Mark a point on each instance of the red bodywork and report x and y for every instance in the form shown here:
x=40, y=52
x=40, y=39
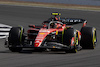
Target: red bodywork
x=44, y=31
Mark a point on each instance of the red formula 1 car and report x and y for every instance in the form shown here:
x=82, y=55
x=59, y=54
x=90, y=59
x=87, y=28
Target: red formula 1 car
x=53, y=35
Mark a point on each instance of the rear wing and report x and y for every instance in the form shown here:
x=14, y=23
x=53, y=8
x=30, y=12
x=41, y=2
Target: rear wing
x=72, y=21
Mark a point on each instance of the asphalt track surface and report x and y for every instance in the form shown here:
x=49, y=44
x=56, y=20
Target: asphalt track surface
x=19, y=15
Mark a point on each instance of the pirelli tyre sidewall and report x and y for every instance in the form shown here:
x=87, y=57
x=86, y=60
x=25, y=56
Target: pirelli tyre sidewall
x=67, y=36
x=88, y=37
x=15, y=38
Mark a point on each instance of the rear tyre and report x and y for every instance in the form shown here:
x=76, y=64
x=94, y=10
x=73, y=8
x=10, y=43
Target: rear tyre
x=15, y=39
x=70, y=39
x=88, y=38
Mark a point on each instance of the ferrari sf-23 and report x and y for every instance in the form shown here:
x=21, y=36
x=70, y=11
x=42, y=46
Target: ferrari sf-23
x=53, y=35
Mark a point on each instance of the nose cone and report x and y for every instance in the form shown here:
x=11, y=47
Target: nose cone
x=40, y=37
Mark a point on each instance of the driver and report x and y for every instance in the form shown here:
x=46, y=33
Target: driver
x=52, y=25
x=56, y=24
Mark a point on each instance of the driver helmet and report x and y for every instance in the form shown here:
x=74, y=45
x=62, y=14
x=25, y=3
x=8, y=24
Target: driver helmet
x=52, y=25
x=55, y=14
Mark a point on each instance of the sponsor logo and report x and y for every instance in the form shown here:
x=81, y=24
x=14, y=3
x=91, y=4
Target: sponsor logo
x=42, y=33
x=44, y=30
x=37, y=41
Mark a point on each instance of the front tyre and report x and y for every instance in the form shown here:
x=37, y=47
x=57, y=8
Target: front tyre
x=15, y=39
x=69, y=38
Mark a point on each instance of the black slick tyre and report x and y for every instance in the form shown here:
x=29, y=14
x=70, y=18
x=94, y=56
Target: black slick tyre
x=15, y=39
x=88, y=37
x=68, y=34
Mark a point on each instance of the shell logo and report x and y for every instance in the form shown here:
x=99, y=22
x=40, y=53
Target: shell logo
x=42, y=33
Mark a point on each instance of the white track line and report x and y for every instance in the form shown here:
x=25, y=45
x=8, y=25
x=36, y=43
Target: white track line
x=4, y=30
x=54, y=7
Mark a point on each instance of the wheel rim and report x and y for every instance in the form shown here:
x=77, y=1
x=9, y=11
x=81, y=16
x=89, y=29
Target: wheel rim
x=94, y=38
x=76, y=42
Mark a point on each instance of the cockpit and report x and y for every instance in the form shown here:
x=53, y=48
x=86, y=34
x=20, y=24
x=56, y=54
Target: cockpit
x=55, y=24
